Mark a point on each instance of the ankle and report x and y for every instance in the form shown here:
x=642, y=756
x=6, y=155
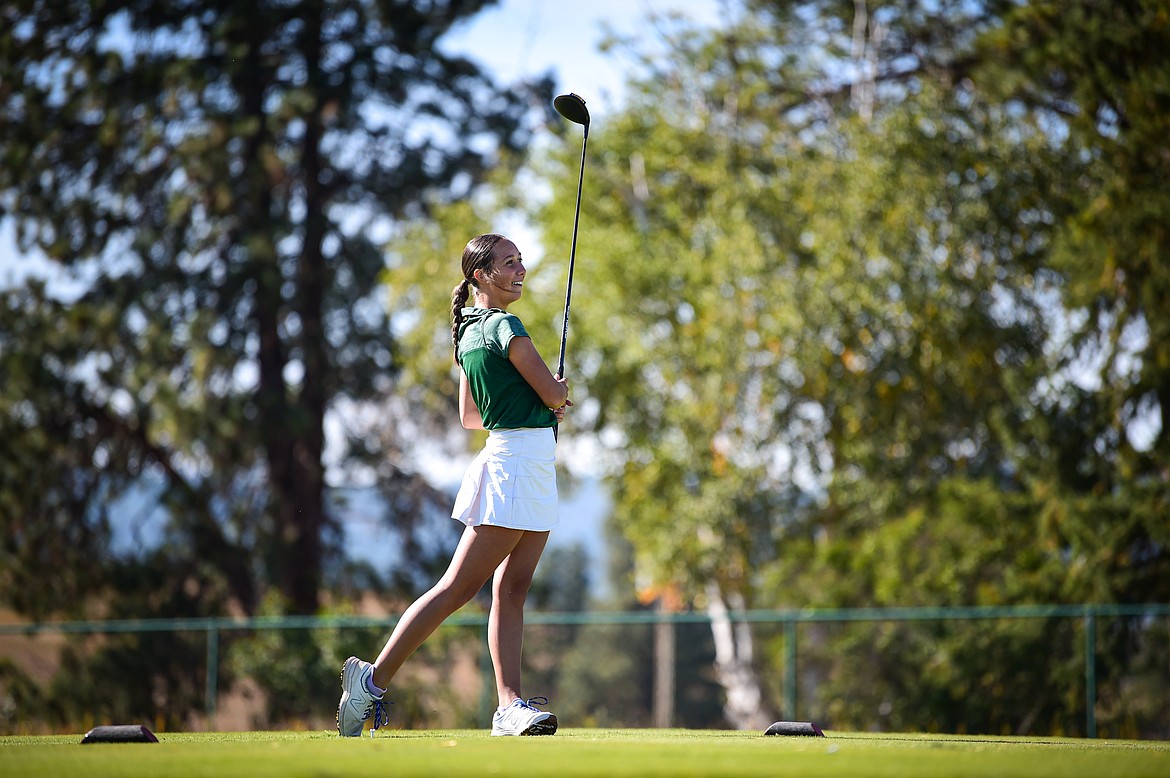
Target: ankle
x=373, y=688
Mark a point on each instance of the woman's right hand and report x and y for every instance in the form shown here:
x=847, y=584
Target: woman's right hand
x=559, y=412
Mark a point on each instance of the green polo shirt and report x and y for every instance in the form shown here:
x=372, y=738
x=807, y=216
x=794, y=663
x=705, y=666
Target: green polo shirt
x=504, y=398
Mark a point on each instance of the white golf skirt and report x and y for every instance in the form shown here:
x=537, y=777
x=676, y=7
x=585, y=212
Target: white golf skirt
x=512, y=482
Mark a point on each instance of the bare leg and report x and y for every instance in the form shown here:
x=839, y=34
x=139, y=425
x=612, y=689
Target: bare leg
x=481, y=550
x=506, y=621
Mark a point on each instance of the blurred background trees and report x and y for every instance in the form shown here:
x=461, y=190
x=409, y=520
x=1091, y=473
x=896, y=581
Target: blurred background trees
x=212, y=178
x=884, y=373
x=869, y=310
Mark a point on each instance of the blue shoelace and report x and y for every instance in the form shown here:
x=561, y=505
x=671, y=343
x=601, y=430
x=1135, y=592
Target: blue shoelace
x=381, y=715
x=531, y=702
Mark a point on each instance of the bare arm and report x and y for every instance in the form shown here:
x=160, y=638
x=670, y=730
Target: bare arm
x=553, y=391
x=469, y=415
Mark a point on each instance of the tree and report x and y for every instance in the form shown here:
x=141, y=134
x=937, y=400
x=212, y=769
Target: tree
x=220, y=173
x=1109, y=394
x=215, y=180
x=826, y=263
x=843, y=263
x=711, y=353
x=1042, y=461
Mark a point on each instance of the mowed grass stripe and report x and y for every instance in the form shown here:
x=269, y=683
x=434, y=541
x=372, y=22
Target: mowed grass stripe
x=581, y=752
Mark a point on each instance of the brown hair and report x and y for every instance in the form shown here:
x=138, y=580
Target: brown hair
x=477, y=255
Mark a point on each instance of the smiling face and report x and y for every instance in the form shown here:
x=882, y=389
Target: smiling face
x=502, y=283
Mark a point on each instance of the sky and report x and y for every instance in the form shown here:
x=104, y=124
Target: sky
x=524, y=38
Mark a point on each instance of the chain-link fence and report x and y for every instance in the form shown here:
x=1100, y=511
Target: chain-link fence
x=1088, y=670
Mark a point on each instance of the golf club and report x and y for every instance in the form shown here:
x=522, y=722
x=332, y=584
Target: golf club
x=572, y=107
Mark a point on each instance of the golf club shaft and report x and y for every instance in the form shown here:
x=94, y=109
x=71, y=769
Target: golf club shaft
x=572, y=259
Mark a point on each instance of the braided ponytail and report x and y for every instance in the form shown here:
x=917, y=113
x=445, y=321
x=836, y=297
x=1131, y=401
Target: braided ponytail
x=458, y=300
x=477, y=255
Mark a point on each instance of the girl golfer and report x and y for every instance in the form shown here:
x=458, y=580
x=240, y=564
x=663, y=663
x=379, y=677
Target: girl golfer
x=508, y=498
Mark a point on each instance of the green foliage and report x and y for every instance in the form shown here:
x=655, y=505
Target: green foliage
x=208, y=182
x=827, y=323
x=613, y=692
x=869, y=310
x=836, y=330
x=206, y=185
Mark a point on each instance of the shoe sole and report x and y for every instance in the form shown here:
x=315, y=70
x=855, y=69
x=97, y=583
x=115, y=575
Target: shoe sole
x=344, y=691
x=546, y=727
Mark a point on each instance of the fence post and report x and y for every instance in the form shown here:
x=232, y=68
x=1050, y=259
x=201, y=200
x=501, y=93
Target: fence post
x=212, y=672
x=790, y=669
x=1090, y=672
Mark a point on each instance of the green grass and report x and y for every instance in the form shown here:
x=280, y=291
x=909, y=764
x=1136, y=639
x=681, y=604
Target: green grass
x=581, y=752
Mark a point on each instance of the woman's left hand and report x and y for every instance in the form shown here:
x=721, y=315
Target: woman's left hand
x=560, y=412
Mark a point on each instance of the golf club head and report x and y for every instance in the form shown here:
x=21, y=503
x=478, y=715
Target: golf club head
x=572, y=107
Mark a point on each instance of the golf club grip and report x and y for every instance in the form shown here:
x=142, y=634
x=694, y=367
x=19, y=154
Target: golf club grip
x=564, y=339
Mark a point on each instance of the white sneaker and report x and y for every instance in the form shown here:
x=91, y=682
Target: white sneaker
x=356, y=700
x=520, y=718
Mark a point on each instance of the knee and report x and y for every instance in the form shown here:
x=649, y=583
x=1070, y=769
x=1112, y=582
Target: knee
x=459, y=593
x=511, y=590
